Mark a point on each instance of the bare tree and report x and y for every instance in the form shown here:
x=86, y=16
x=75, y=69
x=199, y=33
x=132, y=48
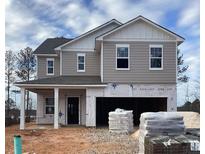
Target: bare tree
x=9, y=77
x=26, y=67
x=181, y=68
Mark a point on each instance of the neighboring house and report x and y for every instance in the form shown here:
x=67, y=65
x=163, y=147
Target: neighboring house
x=131, y=66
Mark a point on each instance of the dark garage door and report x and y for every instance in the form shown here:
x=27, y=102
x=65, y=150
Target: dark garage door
x=139, y=105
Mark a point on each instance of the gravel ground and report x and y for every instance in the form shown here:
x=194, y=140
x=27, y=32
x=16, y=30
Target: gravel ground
x=104, y=142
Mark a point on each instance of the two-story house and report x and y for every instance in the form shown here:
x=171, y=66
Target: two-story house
x=130, y=66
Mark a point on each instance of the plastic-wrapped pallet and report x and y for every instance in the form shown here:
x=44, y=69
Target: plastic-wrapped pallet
x=120, y=121
x=159, y=123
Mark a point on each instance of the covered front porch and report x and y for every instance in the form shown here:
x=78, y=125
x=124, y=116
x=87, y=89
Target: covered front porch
x=59, y=104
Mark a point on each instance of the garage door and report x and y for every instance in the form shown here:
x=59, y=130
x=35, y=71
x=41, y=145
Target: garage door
x=139, y=105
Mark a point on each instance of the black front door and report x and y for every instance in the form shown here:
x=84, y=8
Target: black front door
x=72, y=110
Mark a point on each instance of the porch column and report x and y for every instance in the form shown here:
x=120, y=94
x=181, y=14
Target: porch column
x=56, y=99
x=22, y=106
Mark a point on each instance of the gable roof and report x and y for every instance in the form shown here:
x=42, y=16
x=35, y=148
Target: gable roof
x=89, y=32
x=179, y=38
x=47, y=47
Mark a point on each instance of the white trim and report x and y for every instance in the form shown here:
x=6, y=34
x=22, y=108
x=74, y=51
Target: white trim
x=50, y=59
x=61, y=63
x=79, y=110
x=137, y=39
x=57, y=85
x=81, y=55
x=45, y=55
x=155, y=46
x=89, y=32
x=37, y=66
x=176, y=63
x=79, y=49
x=101, y=61
x=134, y=20
x=122, y=45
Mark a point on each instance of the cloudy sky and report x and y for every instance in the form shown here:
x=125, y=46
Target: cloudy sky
x=30, y=22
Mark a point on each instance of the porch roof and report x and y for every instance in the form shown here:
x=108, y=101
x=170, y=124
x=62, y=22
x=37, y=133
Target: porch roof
x=64, y=81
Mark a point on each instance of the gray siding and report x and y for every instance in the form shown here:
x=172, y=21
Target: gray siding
x=139, y=64
x=69, y=63
x=42, y=72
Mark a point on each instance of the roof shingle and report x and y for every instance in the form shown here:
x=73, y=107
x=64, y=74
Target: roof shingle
x=48, y=46
x=66, y=80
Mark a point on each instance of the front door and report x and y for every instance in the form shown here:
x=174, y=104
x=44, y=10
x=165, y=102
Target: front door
x=73, y=110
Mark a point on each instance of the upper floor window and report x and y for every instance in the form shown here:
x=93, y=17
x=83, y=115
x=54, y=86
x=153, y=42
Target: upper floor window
x=49, y=106
x=122, y=56
x=156, y=57
x=50, y=66
x=81, y=62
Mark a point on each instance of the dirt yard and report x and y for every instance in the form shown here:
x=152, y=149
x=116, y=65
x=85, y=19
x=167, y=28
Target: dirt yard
x=71, y=140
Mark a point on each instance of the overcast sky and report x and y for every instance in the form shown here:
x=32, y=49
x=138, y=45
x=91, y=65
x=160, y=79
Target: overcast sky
x=29, y=23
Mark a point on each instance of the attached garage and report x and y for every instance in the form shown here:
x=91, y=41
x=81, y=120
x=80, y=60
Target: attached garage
x=139, y=105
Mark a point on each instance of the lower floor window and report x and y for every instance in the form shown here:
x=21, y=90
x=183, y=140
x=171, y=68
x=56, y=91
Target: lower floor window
x=49, y=105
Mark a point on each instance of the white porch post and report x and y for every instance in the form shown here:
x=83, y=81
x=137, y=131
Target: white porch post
x=56, y=99
x=22, y=106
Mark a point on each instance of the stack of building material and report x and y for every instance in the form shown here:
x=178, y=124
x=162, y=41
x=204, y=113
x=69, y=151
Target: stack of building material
x=159, y=123
x=120, y=121
x=164, y=144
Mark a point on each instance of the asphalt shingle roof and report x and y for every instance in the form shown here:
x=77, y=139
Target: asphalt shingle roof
x=66, y=80
x=48, y=46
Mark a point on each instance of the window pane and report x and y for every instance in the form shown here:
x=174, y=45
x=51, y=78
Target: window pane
x=122, y=63
x=156, y=52
x=50, y=70
x=49, y=105
x=50, y=110
x=80, y=59
x=80, y=66
x=49, y=101
x=122, y=52
x=50, y=63
x=156, y=63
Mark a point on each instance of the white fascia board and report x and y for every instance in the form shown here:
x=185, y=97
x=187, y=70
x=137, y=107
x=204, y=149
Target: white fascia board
x=46, y=55
x=138, y=40
x=77, y=50
x=87, y=33
x=131, y=21
x=57, y=85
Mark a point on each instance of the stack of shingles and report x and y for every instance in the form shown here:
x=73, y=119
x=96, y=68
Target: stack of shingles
x=159, y=123
x=120, y=121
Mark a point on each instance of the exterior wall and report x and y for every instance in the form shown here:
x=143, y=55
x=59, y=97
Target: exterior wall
x=43, y=118
x=126, y=90
x=139, y=64
x=88, y=42
x=42, y=72
x=69, y=63
x=140, y=30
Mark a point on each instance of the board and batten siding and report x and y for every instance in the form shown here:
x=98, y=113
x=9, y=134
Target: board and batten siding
x=42, y=72
x=69, y=63
x=139, y=64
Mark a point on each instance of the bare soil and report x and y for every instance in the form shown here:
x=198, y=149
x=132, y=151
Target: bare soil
x=71, y=140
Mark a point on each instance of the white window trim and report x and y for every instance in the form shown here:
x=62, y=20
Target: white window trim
x=155, y=46
x=49, y=105
x=80, y=54
x=122, y=45
x=50, y=59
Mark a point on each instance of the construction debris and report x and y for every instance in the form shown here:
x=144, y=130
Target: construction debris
x=121, y=121
x=159, y=124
